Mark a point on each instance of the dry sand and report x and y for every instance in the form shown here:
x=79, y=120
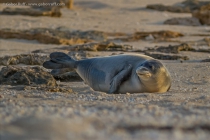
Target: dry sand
x=183, y=113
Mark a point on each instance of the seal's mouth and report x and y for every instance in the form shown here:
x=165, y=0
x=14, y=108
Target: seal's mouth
x=142, y=71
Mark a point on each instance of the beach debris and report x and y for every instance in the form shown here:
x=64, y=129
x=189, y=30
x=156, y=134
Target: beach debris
x=189, y=21
x=16, y=75
x=33, y=11
x=27, y=59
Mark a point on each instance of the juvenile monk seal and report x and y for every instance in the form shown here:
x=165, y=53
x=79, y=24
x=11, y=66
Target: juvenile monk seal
x=133, y=73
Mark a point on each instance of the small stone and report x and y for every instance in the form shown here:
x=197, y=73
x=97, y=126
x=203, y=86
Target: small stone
x=149, y=37
x=100, y=97
x=1, y=96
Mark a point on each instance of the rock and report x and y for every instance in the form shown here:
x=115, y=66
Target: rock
x=27, y=59
x=174, y=9
x=183, y=21
x=160, y=35
x=206, y=60
x=16, y=75
x=102, y=46
x=203, y=14
x=54, y=36
x=174, y=48
x=33, y=11
x=193, y=4
x=166, y=56
x=187, y=6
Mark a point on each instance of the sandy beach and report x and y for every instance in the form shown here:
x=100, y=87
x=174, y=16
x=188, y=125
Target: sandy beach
x=71, y=109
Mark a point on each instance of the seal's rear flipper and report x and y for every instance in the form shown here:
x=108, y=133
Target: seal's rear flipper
x=59, y=60
x=52, y=65
x=119, y=78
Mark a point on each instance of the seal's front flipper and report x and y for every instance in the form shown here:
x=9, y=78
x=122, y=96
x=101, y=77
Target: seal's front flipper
x=59, y=60
x=119, y=78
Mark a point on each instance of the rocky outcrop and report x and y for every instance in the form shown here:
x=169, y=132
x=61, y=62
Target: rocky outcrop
x=33, y=76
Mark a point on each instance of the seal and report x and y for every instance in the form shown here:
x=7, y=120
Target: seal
x=133, y=73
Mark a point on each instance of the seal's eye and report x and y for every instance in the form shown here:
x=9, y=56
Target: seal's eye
x=151, y=67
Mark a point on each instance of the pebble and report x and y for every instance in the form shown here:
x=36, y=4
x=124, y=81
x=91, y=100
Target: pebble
x=100, y=97
x=1, y=97
x=150, y=37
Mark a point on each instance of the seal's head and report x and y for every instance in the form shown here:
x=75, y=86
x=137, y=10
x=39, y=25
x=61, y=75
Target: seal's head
x=154, y=76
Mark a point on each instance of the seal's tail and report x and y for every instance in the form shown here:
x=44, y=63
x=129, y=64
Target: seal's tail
x=59, y=60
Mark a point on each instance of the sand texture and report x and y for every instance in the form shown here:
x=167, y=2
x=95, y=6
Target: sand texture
x=39, y=104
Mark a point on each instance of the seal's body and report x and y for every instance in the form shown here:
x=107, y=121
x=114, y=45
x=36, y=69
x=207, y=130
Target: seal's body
x=131, y=73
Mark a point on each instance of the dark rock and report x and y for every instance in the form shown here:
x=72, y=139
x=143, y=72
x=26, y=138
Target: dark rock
x=187, y=6
x=206, y=60
x=193, y=4
x=174, y=9
x=166, y=56
x=15, y=75
x=27, y=59
x=183, y=21
x=54, y=36
x=174, y=48
x=203, y=14
x=102, y=46
x=33, y=11
x=158, y=35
